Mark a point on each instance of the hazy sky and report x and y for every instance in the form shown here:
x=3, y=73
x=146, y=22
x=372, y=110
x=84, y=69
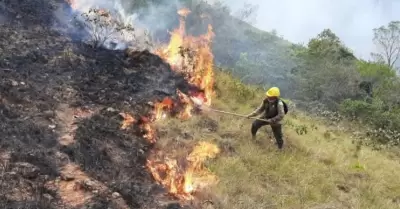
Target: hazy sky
x=300, y=20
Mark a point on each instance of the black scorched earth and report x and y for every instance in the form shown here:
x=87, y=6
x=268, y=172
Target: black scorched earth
x=61, y=101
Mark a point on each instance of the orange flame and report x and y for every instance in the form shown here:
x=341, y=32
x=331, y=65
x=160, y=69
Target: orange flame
x=191, y=56
x=188, y=107
x=167, y=173
x=181, y=181
x=161, y=107
x=128, y=120
x=150, y=133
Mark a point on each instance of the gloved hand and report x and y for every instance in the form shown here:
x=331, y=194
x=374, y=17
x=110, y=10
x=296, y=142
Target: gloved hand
x=248, y=116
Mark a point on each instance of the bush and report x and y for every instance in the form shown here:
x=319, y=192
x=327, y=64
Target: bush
x=384, y=124
x=358, y=109
x=231, y=88
x=389, y=120
x=102, y=26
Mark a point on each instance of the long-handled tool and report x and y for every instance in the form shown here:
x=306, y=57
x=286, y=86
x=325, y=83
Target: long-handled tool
x=199, y=103
x=235, y=114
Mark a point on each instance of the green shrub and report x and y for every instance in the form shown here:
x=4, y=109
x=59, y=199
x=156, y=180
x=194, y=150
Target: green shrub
x=301, y=129
x=231, y=88
x=384, y=124
x=358, y=108
x=388, y=120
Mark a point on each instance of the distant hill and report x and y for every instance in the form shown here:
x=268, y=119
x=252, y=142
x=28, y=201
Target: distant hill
x=253, y=55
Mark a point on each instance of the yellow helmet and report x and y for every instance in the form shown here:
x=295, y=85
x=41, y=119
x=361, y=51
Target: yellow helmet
x=273, y=92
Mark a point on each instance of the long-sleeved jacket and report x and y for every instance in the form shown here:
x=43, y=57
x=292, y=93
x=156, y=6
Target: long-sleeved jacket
x=272, y=111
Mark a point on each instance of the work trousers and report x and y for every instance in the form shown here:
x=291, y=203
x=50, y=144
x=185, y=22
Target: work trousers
x=276, y=129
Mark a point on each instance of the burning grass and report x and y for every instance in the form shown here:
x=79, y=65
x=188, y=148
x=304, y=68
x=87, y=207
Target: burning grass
x=85, y=107
x=136, y=123
x=184, y=175
x=192, y=57
x=313, y=171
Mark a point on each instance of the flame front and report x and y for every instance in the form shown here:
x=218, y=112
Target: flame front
x=191, y=56
x=160, y=108
x=182, y=179
x=148, y=131
x=128, y=120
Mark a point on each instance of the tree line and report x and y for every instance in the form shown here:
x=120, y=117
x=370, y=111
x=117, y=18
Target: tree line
x=324, y=74
x=364, y=90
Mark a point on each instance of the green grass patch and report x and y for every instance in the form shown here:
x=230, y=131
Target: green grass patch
x=320, y=167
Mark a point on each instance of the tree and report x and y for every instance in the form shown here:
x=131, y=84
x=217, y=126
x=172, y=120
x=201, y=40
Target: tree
x=326, y=71
x=387, y=40
x=247, y=70
x=102, y=26
x=376, y=77
x=248, y=13
x=327, y=44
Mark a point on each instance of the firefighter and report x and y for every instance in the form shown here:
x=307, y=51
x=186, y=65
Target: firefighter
x=273, y=110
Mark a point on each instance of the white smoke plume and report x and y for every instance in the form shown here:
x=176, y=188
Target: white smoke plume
x=84, y=20
x=2, y=19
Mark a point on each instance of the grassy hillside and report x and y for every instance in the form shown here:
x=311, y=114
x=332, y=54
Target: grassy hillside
x=76, y=133
x=321, y=166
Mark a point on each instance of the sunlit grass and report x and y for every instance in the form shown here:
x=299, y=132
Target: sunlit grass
x=321, y=168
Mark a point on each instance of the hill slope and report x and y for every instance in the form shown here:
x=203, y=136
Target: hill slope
x=63, y=111
x=61, y=105
x=322, y=165
x=255, y=56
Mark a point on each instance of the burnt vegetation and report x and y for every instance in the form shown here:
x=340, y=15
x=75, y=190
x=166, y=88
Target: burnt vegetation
x=59, y=116
x=60, y=102
x=103, y=26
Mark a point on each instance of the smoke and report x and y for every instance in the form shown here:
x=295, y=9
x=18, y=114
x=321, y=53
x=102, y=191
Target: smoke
x=298, y=21
x=2, y=11
x=2, y=19
x=128, y=25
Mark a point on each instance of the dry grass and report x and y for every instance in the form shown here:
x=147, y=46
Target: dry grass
x=321, y=169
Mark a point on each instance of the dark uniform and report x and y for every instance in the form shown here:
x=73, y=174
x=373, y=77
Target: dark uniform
x=274, y=113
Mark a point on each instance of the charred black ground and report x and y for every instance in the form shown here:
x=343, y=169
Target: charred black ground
x=45, y=78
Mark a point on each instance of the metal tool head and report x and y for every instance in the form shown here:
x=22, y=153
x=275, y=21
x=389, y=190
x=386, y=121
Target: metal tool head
x=196, y=101
x=199, y=103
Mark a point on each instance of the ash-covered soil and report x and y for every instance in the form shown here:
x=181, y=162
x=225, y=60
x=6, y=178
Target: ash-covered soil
x=61, y=142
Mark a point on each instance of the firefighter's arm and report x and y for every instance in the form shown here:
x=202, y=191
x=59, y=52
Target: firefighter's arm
x=257, y=111
x=281, y=113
